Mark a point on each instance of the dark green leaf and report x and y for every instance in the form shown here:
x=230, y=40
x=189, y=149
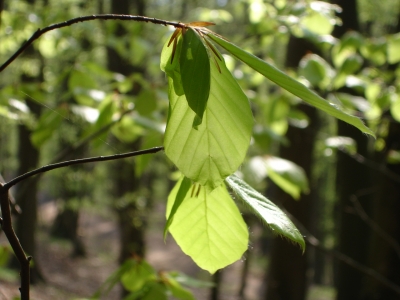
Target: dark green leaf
x=271, y=214
x=195, y=72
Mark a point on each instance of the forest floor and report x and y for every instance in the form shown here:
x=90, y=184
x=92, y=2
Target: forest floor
x=79, y=278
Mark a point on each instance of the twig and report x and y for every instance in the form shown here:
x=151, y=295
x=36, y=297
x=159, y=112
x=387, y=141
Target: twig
x=372, y=164
x=42, y=31
x=6, y=224
x=49, y=167
x=313, y=241
x=14, y=206
x=373, y=225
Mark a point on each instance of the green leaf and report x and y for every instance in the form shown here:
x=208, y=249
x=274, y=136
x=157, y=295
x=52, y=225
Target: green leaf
x=316, y=70
x=208, y=226
x=48, y=123
x=146, y=102
x=394, y=49
x=177, y=290
x=216, y=148
x=271, y=214
x=287, y=175
x=139, y=273
x=290, y=84
x=180, y=191
x=195, y=72
x=172, y=67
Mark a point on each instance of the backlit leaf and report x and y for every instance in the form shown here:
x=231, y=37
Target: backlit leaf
x=208, y=226
x=215, y=149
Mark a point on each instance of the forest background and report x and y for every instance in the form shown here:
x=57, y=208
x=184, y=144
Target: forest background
x=96, y=88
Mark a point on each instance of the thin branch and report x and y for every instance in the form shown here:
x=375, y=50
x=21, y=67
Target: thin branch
x=6, y=224
x=372, y=164
x=313, y=241
x=374, y=226
x=49, y=167
x=42, y=31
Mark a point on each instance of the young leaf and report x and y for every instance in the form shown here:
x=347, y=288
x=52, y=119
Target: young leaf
x=289, y=84
x=208, y=226
x=215, y=149
x=195, y=72
x=266, y=210
x=179, y=192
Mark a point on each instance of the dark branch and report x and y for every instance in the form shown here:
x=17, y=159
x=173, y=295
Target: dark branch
x=42, y=31
x=43, y=169
x=8, y=230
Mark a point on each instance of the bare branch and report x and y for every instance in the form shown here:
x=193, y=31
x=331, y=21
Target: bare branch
x=42, y=31
x=49, y=167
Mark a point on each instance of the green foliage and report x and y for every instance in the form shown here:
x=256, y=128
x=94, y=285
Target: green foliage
x=266, y=210
x=207, y=225
x=215, y=149
x=195, y=73
x=143, y=282
x=290, y=84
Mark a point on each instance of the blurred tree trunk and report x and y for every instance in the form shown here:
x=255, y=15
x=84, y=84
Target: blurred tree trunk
x=26, y=191
x=71, y=191
x=28, y=158
x=384, y=252
x=352, y=178
x=126, y=184
x=287, y=275
x=383, y=255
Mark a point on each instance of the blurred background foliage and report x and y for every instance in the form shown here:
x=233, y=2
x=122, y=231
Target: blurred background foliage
x=96, y=88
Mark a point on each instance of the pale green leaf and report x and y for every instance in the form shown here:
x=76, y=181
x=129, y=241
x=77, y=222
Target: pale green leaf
x=215, y=149
x=208, y=227
x=139, y=273
x=394, y=49
x=287, y=175
x=290, y=84
x=271, y=214
x=195, y=72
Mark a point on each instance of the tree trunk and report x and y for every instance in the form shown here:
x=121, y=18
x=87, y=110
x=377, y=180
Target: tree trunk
x=130, y=217
x=287, y=276
x=352, y=179
x=384, y=251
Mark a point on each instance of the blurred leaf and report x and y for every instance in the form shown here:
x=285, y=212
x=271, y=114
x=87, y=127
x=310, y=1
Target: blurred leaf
x=190, y=281
x=290, y=84
x=375, y=51
x=146, y=102
x=342, y=142
x=266, y=210
x=217, y=147
x=177, y=290
x=317, y=23
x=394, y=49
x=395, y=107
x=287, y=175
x=351, y=64
x=126, y=130
x=208, y=226
x=48, y=123
x=139, y=273
x=393, y=157
x=316, y=70
x=195, y=72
